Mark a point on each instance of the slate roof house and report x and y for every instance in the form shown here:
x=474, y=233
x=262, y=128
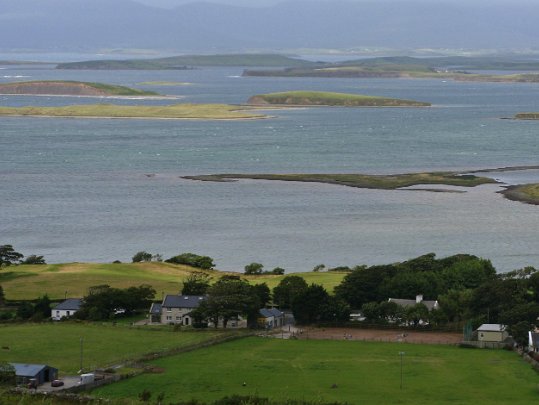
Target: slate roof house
x=270, y=318
x=40, y=372
x=176, y=309
x=66, y=308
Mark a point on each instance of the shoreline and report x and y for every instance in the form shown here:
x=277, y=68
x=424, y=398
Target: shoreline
x=137, y=118
x=158, y=97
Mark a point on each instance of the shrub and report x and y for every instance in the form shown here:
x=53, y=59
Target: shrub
x=194, y=260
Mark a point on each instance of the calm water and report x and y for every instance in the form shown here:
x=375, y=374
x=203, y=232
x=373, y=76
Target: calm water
x=100, y=190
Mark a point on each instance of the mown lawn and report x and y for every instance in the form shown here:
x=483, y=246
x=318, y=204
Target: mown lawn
x=363, y=372
x=58, y=344
x=27, y=282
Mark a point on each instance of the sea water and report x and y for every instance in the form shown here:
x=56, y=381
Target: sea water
x=103, y=189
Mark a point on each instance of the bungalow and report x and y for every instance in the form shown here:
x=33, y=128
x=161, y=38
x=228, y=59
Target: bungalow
x=66, y=308
x=176, y=309
x=270, y=318
x=418, y=300
x=492, y=332
x=39, y=372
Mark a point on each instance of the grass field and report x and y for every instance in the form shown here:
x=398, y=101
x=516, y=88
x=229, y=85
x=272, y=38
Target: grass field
x=528, y=193
x=177, y=111
x=364, y=373
x=58, y=344
x=73, y=279
x=70, y=87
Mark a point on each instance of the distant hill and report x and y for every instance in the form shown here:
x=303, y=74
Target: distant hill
x=187, y=61
x=83, y=25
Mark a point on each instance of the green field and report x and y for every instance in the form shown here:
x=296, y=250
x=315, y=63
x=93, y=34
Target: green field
x=364, y=373
x=58, y=344
x=176, y=111
x=73, y=279
x=68, y=87
x=325, y=98
x=385, y=182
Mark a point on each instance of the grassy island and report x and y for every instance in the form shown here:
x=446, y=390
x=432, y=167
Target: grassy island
x=320, y=98
x=527, y=116
x=70, y=88
x=384, y=182
x=526, y=193
x=176, y=111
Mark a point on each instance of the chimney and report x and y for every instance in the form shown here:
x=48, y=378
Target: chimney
x=418, y=298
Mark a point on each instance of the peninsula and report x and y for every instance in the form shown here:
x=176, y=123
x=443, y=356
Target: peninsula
x=319, y=98
x=71, y=88
x=526, y=193
x=176, y=111
x=382, y=182
x=527, y=116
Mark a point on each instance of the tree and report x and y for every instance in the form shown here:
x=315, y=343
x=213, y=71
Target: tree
x=416, y=313
x=254, y=268
x=9, y=256
x=287, y=290
x=193, y=260
x=319, y=267
x=196, y=283
x=33, y=259
x=142, y=256
x=520, y=331
x=42, y=308
x=278, y=271
x=307, y=306
x=7, y=373
x=25, y=310
x=263, y=292
x=228, y=299
x=2, y=296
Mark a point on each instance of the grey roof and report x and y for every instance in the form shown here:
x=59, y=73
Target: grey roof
x=534, y=339
x=269, y=312
x=28, y=370
x=71, y=304
x=491, y=327
x=155, y=308
x=409, y=303
x=182, y=301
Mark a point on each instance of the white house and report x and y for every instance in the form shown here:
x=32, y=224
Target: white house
x=418, y=300
x=270, y=318
x=492, y=332
x=176, y=309
x=66, y=308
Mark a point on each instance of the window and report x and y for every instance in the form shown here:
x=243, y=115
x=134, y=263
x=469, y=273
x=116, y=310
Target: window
x=169, y=309
x=67, y=313
x=178, y=318
x=169, y=318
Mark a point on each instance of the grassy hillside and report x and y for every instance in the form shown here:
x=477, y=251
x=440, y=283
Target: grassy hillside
x=65, y=87
x=387, y=182
x=73, y=279
x=184, y=62
x=176, y=111
x=103, y=344
x=346, y=371
x=527, y=193
x=310, y=98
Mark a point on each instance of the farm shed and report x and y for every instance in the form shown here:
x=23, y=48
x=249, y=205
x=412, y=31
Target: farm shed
x=42, y=373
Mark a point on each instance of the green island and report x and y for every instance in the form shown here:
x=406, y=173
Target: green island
x=527, y=116
x=384, y=182
x=526, y=193
x=176, y=111
x=320, y=98
x=187, y=61
x=70, y=88
x=164, y=83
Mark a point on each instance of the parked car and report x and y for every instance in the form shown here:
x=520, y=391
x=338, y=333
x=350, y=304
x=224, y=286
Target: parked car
x=57, y=383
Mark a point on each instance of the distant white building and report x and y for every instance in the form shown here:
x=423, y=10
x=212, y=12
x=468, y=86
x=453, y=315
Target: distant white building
x=66, y=309
x=492, y=332
x=418, y=300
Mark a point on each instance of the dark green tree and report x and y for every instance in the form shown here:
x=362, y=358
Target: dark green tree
x=25, y=310
x=9, y=256
x=196, y=283
x=253, y=268
x=307, y=306
x=193, y=260
x=42, y=308
x=278, y=271
x=142, y=256
x=33, y=259
x=7, y=373
x=263, y=292
x=287, y=290
x=520, y=332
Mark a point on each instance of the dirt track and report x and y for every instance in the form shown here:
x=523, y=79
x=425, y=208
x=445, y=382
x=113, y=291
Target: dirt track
x=381, y=335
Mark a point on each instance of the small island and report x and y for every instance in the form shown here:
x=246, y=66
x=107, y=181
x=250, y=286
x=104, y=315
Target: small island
x=321, y=98
x=527, y=116
x=71, y=88
x=176, y=111
x=526, y=193
x=382, y=182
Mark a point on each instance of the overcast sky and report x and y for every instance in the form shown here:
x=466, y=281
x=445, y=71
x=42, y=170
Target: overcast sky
x=262, y=3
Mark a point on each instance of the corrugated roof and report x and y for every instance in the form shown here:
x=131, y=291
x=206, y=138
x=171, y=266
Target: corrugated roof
x=182, y=301
x=71, y=304
x=27, y=370
x=491, y=327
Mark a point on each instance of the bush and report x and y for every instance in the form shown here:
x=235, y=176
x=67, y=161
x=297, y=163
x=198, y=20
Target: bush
x=142, y=256
x=191, y=259
x=33, y=259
